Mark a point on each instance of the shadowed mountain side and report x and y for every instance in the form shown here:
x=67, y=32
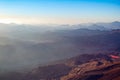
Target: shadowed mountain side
x=101, y=42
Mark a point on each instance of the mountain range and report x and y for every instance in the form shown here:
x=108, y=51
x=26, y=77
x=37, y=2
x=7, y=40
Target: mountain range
x=30, y=52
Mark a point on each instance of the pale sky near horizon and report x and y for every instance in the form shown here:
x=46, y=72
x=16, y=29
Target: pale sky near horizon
x=59, y=11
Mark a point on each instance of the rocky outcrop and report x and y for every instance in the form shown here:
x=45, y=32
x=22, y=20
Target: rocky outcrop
x=95, y=70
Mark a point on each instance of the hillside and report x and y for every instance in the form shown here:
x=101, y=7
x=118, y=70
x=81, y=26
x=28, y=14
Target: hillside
x=69, y=50
x=95, y=70
x=81, y=67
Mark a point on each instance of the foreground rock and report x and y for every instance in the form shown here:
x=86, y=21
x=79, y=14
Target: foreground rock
x=95, y=70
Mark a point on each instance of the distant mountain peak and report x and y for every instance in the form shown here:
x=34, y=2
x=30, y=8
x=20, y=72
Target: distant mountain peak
x=116, y=22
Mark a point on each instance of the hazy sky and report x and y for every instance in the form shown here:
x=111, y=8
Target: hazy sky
x=59, y=11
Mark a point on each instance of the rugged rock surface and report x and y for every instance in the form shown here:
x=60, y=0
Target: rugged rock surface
x=95, y=70
x=83, y=67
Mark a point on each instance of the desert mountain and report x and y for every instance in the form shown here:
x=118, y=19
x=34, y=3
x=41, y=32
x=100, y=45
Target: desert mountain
x=95, y=70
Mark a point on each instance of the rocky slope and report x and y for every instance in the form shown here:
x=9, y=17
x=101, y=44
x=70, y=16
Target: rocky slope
x=95, y=70
x=99, y=66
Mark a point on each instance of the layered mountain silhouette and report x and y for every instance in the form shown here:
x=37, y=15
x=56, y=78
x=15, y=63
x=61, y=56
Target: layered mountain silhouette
x=87, y=52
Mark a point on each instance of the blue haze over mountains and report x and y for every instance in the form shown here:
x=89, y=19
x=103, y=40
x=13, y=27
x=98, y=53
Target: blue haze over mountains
x=23, y=46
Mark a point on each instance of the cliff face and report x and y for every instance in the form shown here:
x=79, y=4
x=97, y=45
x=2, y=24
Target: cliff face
x=95, y=70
